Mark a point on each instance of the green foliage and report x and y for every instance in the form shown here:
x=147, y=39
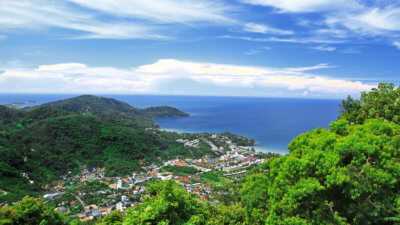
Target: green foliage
x=254, y=196
x=30, y=211
x=331, y=177
x=180, y=171
x=114, y=218
x=9, y=115
x=227, y=215
x=40, y=144
x=164, y=111
x=166, y=203
x=95, y=192
x=213, y=177
x=382, y=102
x=224, y=189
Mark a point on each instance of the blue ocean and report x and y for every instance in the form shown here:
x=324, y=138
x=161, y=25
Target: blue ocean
x=272, y=122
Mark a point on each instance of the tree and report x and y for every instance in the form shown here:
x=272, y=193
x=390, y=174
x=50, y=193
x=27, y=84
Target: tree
x=167, y=203
x=114, y=218
x=381, y=102
x=30, y=211
x=227, y=215
x=331, y=177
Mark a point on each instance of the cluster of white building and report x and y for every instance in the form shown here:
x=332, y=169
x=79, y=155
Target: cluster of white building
x=231, y=158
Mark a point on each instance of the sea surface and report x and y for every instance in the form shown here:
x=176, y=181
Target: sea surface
x=272, y=122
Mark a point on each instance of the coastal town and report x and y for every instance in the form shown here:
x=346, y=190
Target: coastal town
x=91, y=194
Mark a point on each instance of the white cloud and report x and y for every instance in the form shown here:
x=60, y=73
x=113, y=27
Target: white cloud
x=396, y=44
x=302, y=6
x=332, y=33
x=345, y=20
x=310, y=68
x=351, y=50
x=171, y=76
x=125, y=19
x=44, y=14
x=294, y=40
x=164, y=11
x=370, y=21
x=380, y=19
x=257, y=50
x=324, y=48
x=265, y=29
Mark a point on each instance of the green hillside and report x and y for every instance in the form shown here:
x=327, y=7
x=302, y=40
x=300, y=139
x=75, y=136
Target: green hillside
x=39, y=145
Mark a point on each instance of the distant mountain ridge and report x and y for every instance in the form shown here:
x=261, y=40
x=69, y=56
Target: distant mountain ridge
x=94, y=104
x=106, y=108
x=103, y=106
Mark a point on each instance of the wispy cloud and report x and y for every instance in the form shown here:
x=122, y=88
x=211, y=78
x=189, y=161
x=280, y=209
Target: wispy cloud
x=163, y=76
x=256, y=51
x=351, y=50
x=37, y=15
x=373, y=21
x=296, y=40
x=324, y=48
x=304, y=6
x=119, y=19
x=311, y=68
x=342, y=19
x=265, y=29
x=396, y=44
x=164, y=11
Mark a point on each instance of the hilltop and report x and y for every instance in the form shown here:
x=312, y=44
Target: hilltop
x=164, y=111
x=93, y=104
x=105, y=108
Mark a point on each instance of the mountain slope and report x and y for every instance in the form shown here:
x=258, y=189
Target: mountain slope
x=105, y=108
x=94, y=104
x=9, y=115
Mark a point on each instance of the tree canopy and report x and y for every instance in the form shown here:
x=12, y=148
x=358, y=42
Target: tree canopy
x=30, y=211
x=381, y=102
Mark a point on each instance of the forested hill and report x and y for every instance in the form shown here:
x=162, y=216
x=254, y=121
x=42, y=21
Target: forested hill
x=164, y=111
x=38, y=145
x=106, y=108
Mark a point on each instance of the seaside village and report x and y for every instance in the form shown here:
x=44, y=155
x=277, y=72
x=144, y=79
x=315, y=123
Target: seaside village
x=230, y=161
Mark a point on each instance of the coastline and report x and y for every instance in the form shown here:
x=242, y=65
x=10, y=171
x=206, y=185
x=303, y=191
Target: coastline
x=257, y=147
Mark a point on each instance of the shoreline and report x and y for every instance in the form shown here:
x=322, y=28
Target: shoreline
x=258, y=148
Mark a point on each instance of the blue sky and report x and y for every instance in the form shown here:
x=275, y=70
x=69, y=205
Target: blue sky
x=274, y=48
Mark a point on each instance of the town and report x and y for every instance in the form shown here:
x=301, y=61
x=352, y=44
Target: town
x=90, y=194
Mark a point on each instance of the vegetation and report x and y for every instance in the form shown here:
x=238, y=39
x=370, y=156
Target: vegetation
x=180, y=171
x=332, y=178
x=167, y=203
x=39, y=145
x=347, y=174
x=30, y=211
x=214, y=178
x=164, y=111
x=381, y=102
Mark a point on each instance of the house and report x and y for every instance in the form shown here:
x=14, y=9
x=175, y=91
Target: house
x=183, y=179
x=52, y=196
